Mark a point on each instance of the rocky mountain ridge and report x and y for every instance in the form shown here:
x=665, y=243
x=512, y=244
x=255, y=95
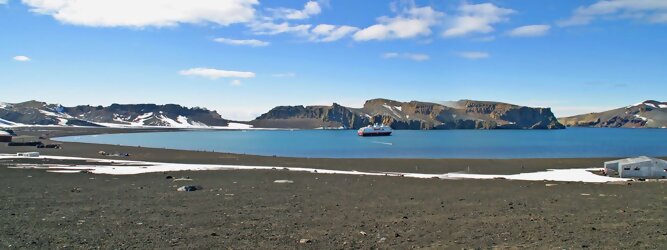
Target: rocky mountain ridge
x=647, y=114
x=116, y=115
x=464, y=114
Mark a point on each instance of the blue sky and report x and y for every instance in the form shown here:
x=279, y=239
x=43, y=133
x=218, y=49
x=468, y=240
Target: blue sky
x=243, y=57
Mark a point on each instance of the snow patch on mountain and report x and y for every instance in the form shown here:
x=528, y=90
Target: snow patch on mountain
x=4, y=123
x=641, y=117
x=390, y=108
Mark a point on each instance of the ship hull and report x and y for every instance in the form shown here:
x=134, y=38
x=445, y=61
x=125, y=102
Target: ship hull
x=374, y=133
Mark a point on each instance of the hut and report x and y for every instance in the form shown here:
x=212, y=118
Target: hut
x=642, y=167
x=5, y=136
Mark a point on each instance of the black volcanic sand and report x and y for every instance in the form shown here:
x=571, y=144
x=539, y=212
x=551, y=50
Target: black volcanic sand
x=246, y=209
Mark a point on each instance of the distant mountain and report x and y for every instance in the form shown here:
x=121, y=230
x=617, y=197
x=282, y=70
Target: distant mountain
x=464, y=114
x=648, y=114
x=116, y=115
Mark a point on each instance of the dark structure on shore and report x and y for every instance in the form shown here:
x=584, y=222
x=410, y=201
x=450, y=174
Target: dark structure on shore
x=5, y=136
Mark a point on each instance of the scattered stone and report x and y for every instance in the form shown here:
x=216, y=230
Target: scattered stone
x=283, y=181
x=189, y=188
x=182, y=179
x=383, y=239
x=76, y=190
x=363, y=233
x=550, y=184
x=169, y=177
x=305, y=241
x=214, y=234
x=585, y=194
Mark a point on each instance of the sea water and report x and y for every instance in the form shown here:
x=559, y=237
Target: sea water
x=499, y=144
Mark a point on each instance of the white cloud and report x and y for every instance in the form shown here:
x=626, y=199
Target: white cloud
x=652, y=11
x=530, y=30
x=250, y=42
x=271, y=28
x=144, y=13
x=330, y=33
x=4, y=1
x=216, y=73
x=311, y=8
x=477, y=18
x=473, y=55
x=411, y=22
x=21, y=58
x=409, y=56
x=286, y=74
x=236, y=82
x=319, y=33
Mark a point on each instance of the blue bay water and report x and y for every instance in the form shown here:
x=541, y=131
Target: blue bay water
x=567, y=143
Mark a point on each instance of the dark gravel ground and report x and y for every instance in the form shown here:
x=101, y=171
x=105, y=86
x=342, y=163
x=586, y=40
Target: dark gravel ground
x=247, y=210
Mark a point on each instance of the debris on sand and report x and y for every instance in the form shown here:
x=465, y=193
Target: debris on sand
x=550, y=184
x=189, y=188
x=182, y=179
x=363, y=233
x=304, y=241
x=169, y=177
x=283, y=181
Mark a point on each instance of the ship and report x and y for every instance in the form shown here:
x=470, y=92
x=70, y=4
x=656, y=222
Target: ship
x=375, y=130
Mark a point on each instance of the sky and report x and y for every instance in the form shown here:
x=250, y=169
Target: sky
x=244, y=57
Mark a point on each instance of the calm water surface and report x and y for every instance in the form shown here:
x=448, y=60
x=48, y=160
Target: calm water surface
x=572, y=143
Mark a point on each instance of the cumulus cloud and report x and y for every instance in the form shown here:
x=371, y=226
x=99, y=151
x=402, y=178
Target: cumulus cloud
x=21, y=58
x=214, y=74
x=653, y=11
x=409, y=23
x=473, y=55
x=285, y=74
x=271, y=28
x=476, y=18
x=3, y=1
x=145, y=13
x=330, y=33
x=408, y=56
x=249, y=42
x=311, y=8
x=530, y=30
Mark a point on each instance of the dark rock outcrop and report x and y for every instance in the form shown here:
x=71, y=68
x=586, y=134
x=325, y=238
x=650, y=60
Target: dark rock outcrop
x=648, y=114
x=465, y=114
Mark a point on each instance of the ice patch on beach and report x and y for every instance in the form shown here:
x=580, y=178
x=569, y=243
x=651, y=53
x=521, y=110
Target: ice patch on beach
x=125, y=167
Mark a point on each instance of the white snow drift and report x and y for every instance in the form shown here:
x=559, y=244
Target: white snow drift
x=124, y=167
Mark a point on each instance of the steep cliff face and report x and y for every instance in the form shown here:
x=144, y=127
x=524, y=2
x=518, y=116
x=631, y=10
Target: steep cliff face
x=648, y=114
x=170, y=115
x=464, y=114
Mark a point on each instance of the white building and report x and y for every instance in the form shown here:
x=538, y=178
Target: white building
x=28, y=154
x=642, y=167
